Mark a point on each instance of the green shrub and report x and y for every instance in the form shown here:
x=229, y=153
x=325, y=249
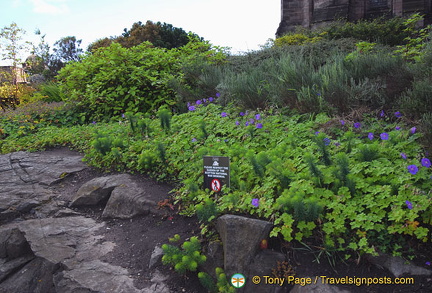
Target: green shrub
x=416, y=40
x=380, y=30
x=186, y=258
x=295, y=39
x=206, y=211
x=51, y=91
x=417, y=101
x=114, y=80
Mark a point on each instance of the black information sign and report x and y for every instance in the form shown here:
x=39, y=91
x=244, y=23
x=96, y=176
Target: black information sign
x=216, y=172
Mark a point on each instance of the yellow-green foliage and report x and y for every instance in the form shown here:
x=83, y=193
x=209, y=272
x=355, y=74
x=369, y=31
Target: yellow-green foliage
x=295, y=39
x=13, y=95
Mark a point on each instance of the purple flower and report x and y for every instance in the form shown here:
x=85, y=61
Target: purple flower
x=217, y=95
x=413, y=169
x=257, y=116
x=426, y=162
x=242, y=113
x=191, y=108
x=123, y=115
x=259, y=125
x=382, y=113
x=251, y=121
x=199, y=102
x=255, y=202
x=316, y=133
x=224, y=114
x=337, y=144
x=237, y=123
x=94, y=122
x=326, y=141
x=409, y=204
x=398, y=114
x=397, y=128
x=413, y=130
x=371, y=135
x=211, y=99
x=384, y=136
x=247, y=123
x=428, y=263
x=194, y=139
x=342, y=122
x=357, y=125
x=403, y=155
x=205, y=100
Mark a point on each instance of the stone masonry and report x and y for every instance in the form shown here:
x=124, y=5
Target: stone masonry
x=315, y=13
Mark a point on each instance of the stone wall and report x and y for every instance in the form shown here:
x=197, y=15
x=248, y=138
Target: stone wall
x=314, y=13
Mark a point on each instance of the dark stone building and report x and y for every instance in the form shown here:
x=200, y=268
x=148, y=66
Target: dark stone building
x=314, y=13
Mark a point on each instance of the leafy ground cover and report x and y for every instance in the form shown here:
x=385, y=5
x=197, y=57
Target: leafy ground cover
x=354, y=186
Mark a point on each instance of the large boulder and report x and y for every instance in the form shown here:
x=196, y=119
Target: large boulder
x=124, y=198
x=128, y=201
x=98, y=190
x=241, y=238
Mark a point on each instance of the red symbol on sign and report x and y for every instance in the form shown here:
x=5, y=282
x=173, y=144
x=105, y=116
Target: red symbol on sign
x=216, y=185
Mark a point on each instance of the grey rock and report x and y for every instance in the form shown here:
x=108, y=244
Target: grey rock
x=51, y=248
x=72, y=244
x=25, y=178
x=215, y=258
x=262, y=265
x=241, y=237
x=35, y=276
x=27, y=206
x=158, y=286
x=127, y=201
x=66, y=213
x=7, y=268
x=398, y=266
x=155, y=257
x=60, y=239
x=95, y=276
x=98, y=190
x=13, y=243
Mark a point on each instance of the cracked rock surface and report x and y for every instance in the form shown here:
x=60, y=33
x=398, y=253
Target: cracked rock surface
x=48, y=244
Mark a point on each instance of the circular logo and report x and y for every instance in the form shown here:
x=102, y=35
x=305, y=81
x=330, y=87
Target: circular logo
x=216, y=185
x=238, y=280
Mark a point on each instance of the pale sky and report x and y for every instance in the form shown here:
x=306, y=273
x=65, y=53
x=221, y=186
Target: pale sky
x=243, y=25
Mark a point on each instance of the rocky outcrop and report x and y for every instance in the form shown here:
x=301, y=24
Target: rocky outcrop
x=25, y=179
x=47, y=247
x=124, y=198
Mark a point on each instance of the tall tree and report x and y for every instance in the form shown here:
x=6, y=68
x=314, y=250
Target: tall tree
x=38, y=61
x=161, y=35
x=66, y=49
x=11, y=46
